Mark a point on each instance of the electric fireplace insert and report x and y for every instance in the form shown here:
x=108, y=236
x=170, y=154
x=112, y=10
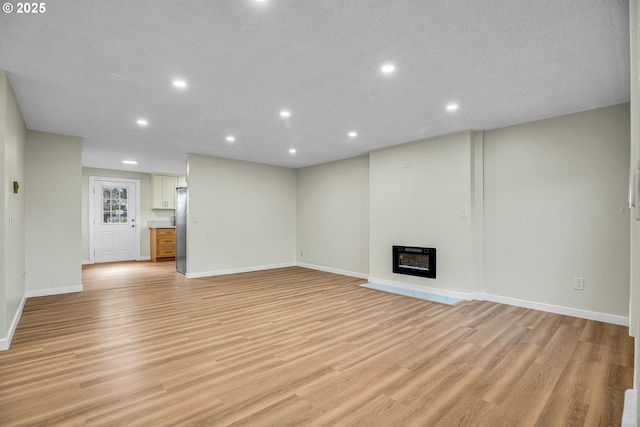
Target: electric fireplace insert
x=415, y=261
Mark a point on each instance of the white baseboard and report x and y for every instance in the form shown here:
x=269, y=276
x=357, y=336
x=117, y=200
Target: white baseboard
x=238, y=270
x=86, y=262
x=558, y=309
x=481, y=296
x=52, y=291
x=333, y=270
x=6, y=341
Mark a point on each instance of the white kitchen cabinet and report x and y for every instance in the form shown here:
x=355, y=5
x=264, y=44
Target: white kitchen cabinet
x=163, y=190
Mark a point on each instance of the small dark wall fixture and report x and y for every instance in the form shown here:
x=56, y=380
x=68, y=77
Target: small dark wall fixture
x=15, y=187
x=414, y=261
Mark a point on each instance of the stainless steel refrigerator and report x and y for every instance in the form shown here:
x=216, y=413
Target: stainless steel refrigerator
x=181, y=230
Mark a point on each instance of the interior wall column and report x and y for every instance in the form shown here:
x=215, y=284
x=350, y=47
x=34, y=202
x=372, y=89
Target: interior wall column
x=477, y=212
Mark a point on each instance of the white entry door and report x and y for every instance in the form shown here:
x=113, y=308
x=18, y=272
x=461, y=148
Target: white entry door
x=114, y=220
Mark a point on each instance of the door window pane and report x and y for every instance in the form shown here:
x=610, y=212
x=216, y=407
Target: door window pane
x=114, y=205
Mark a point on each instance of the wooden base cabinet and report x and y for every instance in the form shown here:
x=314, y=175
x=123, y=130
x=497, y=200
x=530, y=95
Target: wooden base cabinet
x=163, y=244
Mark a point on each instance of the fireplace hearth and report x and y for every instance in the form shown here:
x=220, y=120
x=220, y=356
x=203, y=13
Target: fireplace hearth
x=414, y=261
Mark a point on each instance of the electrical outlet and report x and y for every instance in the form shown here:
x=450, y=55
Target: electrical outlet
x=578, y=283
x=301, y=252
x=329, y=254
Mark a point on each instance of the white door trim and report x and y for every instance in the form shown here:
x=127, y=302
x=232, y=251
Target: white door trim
x=92, y=180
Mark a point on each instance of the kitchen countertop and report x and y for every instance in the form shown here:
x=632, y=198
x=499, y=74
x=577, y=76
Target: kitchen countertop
x=160, y=224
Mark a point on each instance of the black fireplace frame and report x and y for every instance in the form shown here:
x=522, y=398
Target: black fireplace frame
x=430, y=272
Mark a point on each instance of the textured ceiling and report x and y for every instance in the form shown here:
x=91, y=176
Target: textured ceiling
x=92, y=68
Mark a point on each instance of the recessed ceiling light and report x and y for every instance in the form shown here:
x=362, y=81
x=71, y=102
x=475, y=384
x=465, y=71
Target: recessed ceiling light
x=142, y=122
x=353, y=134
x=452, y=107
x=285, y=113
x=292, y=151
x=179, y=83
x=231, y=138
x=129, y=162
x=388, y=68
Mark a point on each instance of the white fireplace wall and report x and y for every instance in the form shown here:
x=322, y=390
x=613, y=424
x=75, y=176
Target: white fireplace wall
x=418, y=194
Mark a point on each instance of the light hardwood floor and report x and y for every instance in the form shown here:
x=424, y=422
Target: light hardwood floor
x=143, y=346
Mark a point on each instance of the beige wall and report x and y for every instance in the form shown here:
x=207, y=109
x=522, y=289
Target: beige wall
x=53, y=201
x=147, y=214
x=634, y=297
x=416, y=193
x=556, y=208
x=4, y=193
x=333, y=215
x=241, y=215
x=12, y=212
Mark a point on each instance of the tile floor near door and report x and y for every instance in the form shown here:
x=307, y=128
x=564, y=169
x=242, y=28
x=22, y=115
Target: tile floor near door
x=143, y=346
